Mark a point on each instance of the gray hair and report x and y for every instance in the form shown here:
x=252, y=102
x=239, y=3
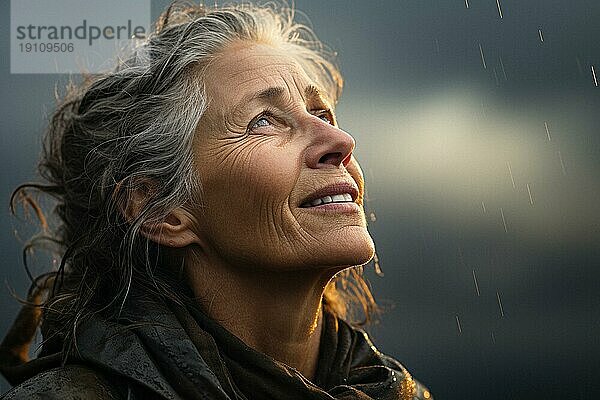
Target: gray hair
x=133, y=128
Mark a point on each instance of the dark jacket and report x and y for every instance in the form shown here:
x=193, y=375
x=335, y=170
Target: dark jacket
x=177, y=352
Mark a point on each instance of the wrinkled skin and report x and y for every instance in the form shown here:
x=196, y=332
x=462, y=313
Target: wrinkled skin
x=256, y=170
x=255, y=260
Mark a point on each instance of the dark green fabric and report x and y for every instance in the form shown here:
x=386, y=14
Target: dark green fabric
x=177, y=352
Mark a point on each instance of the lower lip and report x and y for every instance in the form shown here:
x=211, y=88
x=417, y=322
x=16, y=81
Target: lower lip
x=345, y=208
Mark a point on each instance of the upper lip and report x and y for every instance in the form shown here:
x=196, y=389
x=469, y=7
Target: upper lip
x=334, y=188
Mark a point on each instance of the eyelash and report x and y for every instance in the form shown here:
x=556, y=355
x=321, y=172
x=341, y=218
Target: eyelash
x=269, y=112
x=325, y=113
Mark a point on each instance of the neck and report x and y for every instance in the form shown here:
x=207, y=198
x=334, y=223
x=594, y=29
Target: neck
x=278, y=313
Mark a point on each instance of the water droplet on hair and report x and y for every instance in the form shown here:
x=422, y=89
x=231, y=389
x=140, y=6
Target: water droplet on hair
x=378, y=270
x=372, y=217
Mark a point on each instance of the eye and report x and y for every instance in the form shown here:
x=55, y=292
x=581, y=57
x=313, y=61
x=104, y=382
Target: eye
x=262, y=121
x=326, y=116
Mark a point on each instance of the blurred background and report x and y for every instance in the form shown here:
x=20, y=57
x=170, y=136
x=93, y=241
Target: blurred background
x=477, y=127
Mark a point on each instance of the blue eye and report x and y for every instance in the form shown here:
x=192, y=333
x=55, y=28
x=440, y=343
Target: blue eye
x=326, y=117
x=261, y=122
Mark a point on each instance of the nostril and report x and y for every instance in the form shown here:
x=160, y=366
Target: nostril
x=331, y=158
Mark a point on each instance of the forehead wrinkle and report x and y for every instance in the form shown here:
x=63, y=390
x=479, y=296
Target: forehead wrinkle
x=273, y=77
x=288, y=66
x=277, y=95
x=272, y=94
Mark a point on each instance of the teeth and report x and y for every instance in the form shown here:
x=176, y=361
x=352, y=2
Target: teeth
x=336, y=198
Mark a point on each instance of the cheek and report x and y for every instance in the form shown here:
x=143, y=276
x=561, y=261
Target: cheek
x=356, y=172
x=264, y=172
x=246, y=189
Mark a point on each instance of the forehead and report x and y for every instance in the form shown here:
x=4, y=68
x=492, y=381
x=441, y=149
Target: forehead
x=245, y=68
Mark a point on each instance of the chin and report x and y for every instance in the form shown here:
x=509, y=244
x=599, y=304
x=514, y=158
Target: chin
x=353, y=246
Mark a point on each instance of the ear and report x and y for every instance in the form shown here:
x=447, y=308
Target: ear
x=177, y=230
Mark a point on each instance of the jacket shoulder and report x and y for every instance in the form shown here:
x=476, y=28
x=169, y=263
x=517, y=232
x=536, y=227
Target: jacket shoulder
x=65, y=383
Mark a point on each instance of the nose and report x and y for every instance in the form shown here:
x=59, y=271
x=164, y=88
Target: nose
x=330, y=147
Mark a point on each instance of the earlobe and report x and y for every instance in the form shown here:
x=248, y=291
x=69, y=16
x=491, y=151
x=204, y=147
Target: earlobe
x=177, y=230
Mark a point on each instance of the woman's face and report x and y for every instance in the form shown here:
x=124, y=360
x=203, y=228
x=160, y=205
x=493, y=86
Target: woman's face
x=267, y=144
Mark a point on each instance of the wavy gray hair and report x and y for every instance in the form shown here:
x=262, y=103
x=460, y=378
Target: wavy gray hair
x=133, y=129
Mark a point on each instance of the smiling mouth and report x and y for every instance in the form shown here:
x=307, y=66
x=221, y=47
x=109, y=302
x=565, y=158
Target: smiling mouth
x=336, y=198
x=336, y=195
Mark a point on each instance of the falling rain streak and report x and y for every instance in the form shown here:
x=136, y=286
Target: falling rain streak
x=482, y=56
x=476, y=284
x=500, y=304
x=530, y=196
x=503, y=220
x=498, y=71
x=499, y=8
x=503, y=70
x=562, y=163
x=512, y=179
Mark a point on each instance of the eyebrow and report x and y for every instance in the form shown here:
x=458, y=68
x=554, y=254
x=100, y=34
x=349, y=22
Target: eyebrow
x=314, y=92
x=275, y=94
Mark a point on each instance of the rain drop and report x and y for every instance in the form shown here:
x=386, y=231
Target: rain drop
x=562, y=163
x=500, y=304
x=377, y=267
x=372, y=216
x=482, y=56
x=499, y=8
x=476, y=284
x=512, y=179
x=530, y=196
x=547, y=130
x=503, y=220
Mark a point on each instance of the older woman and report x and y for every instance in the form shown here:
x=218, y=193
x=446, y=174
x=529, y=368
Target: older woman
x=211, y=226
